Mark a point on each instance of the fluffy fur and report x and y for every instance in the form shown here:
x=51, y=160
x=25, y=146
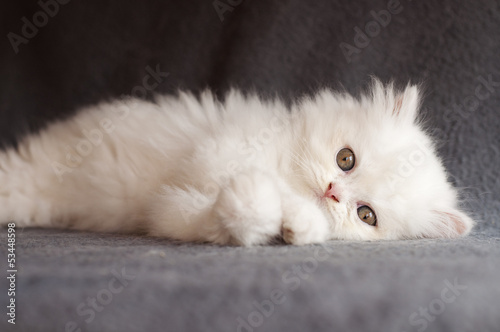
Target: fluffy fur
x=239, y=172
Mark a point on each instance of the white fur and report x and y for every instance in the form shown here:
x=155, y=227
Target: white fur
x=239, y=172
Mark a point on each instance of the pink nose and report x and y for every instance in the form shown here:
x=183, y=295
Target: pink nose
x=332, y=193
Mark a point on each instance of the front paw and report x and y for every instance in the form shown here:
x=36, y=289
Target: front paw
x=304, y=223
x=249, y=207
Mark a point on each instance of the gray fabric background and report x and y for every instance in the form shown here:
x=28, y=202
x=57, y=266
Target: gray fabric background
x=95, y=50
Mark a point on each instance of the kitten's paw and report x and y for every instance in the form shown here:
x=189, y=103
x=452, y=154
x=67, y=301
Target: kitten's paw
x=249, y=207
x=303, y=224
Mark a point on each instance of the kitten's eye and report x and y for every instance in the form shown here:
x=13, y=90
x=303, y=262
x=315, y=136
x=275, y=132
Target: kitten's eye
x=345, y=159
x=367, y=215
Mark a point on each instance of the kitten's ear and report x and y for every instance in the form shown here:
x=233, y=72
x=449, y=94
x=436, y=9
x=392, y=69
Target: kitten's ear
x=406, y=104
x=450, y=224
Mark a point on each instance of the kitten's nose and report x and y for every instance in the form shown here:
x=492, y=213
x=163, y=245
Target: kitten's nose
x=332, y=193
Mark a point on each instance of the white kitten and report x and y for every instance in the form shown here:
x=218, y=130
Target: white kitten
x=239, y=172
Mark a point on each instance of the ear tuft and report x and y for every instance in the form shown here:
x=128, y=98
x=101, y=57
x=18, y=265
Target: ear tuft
x=406, y=104
x=450, y=224
x=397, y=105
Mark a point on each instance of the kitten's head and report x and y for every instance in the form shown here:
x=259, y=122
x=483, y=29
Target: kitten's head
x=372, y=168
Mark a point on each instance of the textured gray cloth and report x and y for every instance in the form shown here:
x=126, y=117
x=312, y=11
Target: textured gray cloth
x=97, y=49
